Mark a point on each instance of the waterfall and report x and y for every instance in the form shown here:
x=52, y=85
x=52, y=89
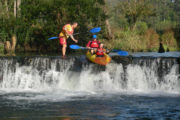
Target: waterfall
x=74, y=74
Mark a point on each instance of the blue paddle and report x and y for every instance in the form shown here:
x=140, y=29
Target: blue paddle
x=121, y=53
x=76, y=47
x=94, y=30
x=53, y=38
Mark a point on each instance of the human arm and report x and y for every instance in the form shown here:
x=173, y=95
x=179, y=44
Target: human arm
x=98, y=42
x=72, y=37
x=88, y=45
x=69, y=31
x=106, y=51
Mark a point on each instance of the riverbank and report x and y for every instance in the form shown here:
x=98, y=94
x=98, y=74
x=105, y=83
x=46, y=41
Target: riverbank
x=83, y=52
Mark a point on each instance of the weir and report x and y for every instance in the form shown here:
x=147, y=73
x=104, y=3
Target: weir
x=38, y=73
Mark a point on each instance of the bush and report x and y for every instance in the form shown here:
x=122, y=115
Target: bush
x=128, y=40
x=152, y=39
x=168, y=38
x=165, y=25
x=141, y=27
x=1, y=48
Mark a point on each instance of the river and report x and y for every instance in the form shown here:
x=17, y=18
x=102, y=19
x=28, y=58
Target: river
x=143, y=86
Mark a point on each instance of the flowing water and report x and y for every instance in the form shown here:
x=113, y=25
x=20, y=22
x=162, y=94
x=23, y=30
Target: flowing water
x=51, y=88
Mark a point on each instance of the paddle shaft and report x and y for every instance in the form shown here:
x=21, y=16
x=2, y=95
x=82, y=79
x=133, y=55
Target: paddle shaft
x=94, y=30
x=63, y=36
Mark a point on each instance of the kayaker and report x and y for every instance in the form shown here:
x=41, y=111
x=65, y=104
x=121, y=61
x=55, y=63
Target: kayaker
x=101, y=50
x=94, y=43
x=67, y=31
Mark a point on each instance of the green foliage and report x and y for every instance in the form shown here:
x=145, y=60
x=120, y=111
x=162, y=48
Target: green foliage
x=152, y=39
x=137, y=24
x=141, y=27
x=164, y=15
x=128, y=40
x=146, y=20
x=39, y=20
x=168, y=38
x=165, y=25
x=1, y=48
x=134, y=10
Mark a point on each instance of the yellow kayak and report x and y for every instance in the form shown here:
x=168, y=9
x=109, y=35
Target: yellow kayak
x=98, y=60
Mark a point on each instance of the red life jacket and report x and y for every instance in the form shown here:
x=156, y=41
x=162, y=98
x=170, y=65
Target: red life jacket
x=100, y=51
x=94, y=44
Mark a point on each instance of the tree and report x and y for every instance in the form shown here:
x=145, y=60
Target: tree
x=41, y=19
x=108, y=26
x=165, y=16
x=134, y=10
x=177, y=29
x=8, y=24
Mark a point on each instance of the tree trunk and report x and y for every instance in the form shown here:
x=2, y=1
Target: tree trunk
x=110, y=34
x=15, y=8
x=18, y=7
x=13, y=43
x=6, y=8
x=7, y=47
x=108, y=26
x=58, y=19
x=10, y=46
x=6, y=4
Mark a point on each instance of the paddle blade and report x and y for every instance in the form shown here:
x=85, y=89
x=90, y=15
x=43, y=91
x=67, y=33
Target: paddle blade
x=116, y=50
x=52, y=38
x=74, y=47
x=95, y=30
x=122, y=53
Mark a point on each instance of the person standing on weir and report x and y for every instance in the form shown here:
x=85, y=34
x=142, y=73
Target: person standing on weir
x=67, y=31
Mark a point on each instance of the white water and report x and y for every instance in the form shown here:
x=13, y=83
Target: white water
x=48, y=82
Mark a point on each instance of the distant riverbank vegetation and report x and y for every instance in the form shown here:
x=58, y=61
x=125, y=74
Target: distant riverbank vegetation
x=132, y=25
x=140, y=25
